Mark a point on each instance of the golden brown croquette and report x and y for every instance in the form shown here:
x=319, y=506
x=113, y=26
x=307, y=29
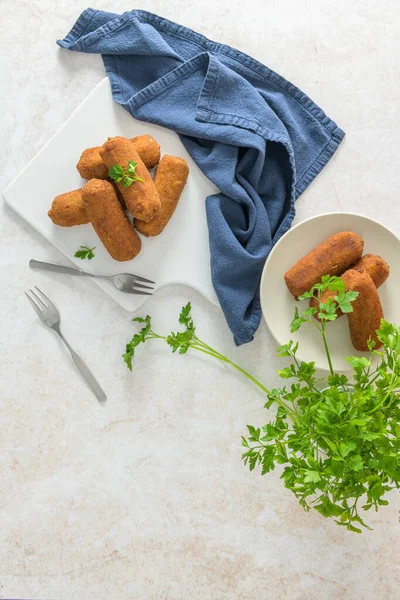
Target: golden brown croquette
x=91, y=165
x=141, y=198
x=170, y=179
x=68, y=209
x=332, y=257
x=367, y=309
x=375, y=266
x=110, y=221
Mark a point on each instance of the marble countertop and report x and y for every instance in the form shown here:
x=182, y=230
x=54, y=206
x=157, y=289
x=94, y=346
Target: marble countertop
x=145, y=498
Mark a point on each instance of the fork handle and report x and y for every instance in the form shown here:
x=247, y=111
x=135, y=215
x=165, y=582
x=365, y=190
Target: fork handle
x=88, y=375
x=45, y=266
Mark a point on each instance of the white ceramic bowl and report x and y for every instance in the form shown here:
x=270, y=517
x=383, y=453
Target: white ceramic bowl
x=278, y=304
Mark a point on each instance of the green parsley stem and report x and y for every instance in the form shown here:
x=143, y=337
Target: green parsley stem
x=389, y=392
x=322, y=332
x=327, y=349
x=369, y=383
x=263, y=446
x=202, y=347
x=197, y=344
x=155, y=336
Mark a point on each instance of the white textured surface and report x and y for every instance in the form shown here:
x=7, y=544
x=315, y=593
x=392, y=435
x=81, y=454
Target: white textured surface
x=146, y=497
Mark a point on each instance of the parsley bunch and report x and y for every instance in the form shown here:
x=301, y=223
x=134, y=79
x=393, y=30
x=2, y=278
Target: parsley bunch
x=338, y=447
x=117, y=174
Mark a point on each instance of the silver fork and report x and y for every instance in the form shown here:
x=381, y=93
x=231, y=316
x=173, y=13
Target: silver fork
x=49, y=315
x=124, y=282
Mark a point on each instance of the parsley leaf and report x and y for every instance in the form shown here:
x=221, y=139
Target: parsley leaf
x=116, y=173
x=139, y=338
x=297, y=321
x=131, y=167
x=128, y=177
x=127, y=181
x=85, y=252
x=345, y=299
x=312, y=477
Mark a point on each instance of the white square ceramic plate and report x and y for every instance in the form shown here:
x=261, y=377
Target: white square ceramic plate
x=180, y=255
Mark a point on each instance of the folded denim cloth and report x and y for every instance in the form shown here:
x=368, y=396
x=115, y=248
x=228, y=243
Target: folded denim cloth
x=256, y=136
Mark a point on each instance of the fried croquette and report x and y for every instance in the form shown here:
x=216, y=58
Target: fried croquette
x=331, y=257
x=91, y=165
x=68, y=209
x=367, y=309
x=375, y=266
x=119, y=195
x=148, y=149
x=170, y=179
x=110, y=221
x=141, y=198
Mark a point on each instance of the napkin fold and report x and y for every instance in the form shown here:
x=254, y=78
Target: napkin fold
x=256, y=136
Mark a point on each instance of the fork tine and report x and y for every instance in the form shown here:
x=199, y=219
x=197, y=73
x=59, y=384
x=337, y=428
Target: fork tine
x=139, y=278
x=140, y=293
x=35, y=306
x=140, y=285
x=38, y=300
x=49, y=302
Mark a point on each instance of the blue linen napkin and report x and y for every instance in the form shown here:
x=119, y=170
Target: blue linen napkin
x=256, y=136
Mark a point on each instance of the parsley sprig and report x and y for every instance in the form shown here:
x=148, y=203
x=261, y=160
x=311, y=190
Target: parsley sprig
x=338, y=447
x=85, y=252
x=180, y=341
x=327, y=311
x=127, y=177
